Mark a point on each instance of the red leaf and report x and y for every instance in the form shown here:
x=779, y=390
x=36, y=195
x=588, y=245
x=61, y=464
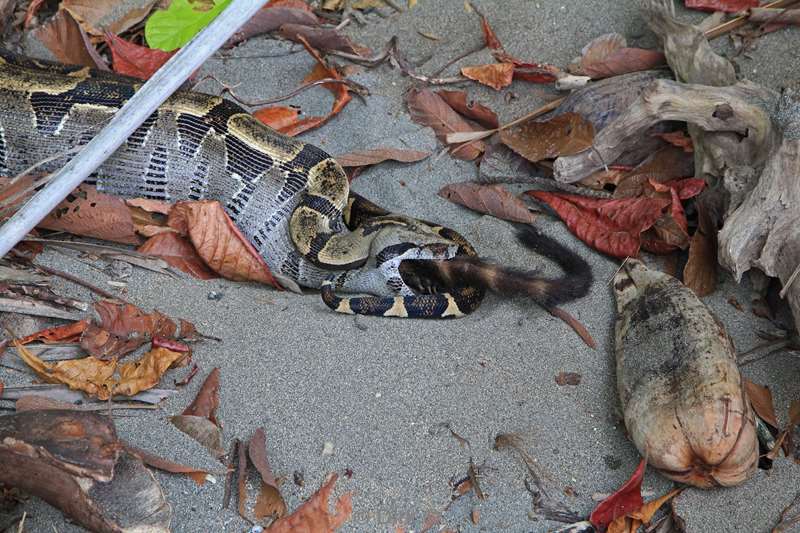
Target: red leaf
x=728, y=6
x=626, y=499
x=134, y=60
x=613, y=227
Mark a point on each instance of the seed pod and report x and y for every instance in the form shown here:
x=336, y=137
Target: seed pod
x=682, y=395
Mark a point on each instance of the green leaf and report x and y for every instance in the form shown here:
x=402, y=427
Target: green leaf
x=171, y=28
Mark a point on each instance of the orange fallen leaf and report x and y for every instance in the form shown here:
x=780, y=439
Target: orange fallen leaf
x=609, y=55
x=206, y=402
x=700, y=272
x=219, y=242
x=279, y=118
x=99, y=378
x=67, y=333
x=313, y=515
x=678, y=138
x=197, y=475
x=269, y=502
x=495, y=75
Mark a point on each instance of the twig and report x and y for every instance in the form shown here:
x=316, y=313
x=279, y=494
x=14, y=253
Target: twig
x=459, y=58
x=573, y=322
x=738, y=22
x=69, y=277
x=789, y=282
x=232, y=455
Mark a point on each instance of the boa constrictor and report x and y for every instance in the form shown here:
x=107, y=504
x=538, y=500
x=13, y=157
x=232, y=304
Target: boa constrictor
x=290, y=199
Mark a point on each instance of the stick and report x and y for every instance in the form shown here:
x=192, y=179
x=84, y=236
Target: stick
x=157, y=89
x=738, y=22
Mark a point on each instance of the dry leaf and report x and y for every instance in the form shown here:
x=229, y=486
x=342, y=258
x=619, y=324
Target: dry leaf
x=196, y=474
x=565, y=134
x=64, y=38
x=608, y=55
x=340, y=92
x=178, y=252
x=700, y=272
x=97, y=378
x=219, y=242
x=67, y=333
x=280, y=118
x=201, y=430
x=761, y=401
x=206, y=402
x=576, y=326
x=626, y=499
x=429, y=109
x=90, y=213
x=98, y=16
x=272, y=16
x=678, y=138
x=495, y=75
x=362, y=158
x=119, y=328
x=568, y=378
x=313, y=515
x=492, y=200
x=322, y=39
x=470, y=108
x=269, y=502
x=133, y=60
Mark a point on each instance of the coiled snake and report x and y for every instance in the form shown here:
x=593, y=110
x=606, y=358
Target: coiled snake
x=290, y=199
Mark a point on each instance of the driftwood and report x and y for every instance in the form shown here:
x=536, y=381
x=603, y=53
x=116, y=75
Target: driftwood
x=74, y=461
x=746, y=145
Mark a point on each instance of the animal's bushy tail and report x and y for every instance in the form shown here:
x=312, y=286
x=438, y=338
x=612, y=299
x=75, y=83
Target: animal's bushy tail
x=507, y=281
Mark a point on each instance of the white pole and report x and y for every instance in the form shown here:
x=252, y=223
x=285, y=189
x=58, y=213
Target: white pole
x=146, y=100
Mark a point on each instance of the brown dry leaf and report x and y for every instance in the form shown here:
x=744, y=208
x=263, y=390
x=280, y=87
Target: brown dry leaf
x=206, y=402
x=322, y=39
x=761, y=400
x=429, y=109
x=63, y=37
x=269, y=502
x=179, y=253
x=600, y=179
x=98, y=16
x=665, y=165
x=565, y=134
x=149, y=205
x=600, y=48
x=219, y=242
x=471, y=109
x=363, y=158
x=119, y=328
x=575, y=324
x=313, y=515
x=495, y=75
x=241, y=479
x=609, y=55
x=195, y=474
x=97, y=378
x=90, y=213
x=568, y=378
x=272, y=16
x=67, y=333
x=700, y=272
x=201, y=430
x=492, y=200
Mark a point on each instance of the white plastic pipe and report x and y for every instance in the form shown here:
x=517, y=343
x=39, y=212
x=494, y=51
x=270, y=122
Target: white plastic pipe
x=146, y=100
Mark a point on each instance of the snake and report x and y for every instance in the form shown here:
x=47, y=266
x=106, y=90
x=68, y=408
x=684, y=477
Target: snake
x=290, y=199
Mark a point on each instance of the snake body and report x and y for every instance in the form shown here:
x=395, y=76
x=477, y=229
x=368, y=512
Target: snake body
x=290, y=199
